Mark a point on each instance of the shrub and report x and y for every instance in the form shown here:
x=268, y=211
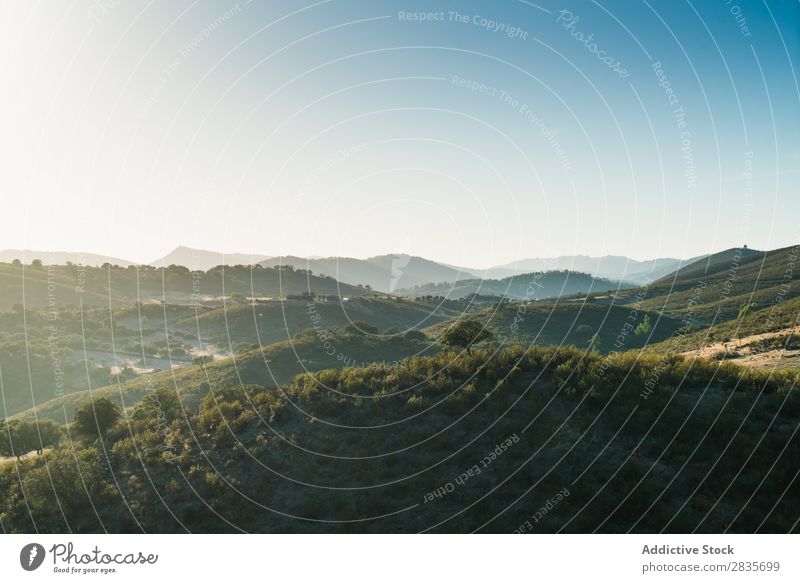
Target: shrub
x=360, y=328
x=465, y=334
x=94, y=418
x=415, y=335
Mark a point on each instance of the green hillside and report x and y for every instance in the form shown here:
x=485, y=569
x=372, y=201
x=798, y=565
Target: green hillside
x=54, y=351
x=264, y=367
x=715, y=289
x=45, y=354
x=528, y=286
x=716, y=263
x=385, y=273
x=42, y=353
x=774, y=318
x=63, y=285
x=273, y=321
x=440, y=444
x=48, y=353
x=605, y=327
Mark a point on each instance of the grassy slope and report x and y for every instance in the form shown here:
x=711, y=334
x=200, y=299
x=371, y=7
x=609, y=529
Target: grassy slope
x=42, y=356
x=281, y=320
x=524, y=286
x=714, y=289
x=771, y=318
x=227, y=329
x=384, y=273
x=123, y=286
x=710, y=448
x=264, y=367
x=707, y=297
x=32, y=289
x=544, y=323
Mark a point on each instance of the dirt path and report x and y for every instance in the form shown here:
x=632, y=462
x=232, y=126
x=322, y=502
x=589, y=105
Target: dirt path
x=22, y=457
x=744, y=351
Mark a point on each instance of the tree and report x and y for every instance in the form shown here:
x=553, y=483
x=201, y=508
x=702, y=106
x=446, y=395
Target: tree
x=643, y=327
x=360, y=329
x=465, y=334
x=36, y=263
x=744, y=309
x=49, y=434
x=73, y=488
x=9, y=443
x=95, y=418
x=124, y=374
x=20, y=437
x=415, y=335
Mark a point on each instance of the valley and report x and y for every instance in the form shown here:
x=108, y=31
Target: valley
x=265, y=381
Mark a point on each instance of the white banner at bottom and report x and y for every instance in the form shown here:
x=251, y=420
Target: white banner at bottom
x=401, y=558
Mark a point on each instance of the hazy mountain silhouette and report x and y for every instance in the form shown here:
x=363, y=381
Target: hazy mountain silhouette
x=385, y=273
x=60, y=257
x=524, y=286
x=204, y=260
x=608, y=266
x=713, y=264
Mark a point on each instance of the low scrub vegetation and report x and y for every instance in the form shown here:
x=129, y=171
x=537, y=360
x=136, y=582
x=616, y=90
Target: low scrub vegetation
x=449, y=442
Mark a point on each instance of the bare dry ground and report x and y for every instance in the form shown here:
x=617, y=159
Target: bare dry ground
x=22, y=457
x=747, y=351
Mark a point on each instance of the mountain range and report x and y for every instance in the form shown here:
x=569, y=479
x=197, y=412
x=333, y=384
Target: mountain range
x=61, y=257
x=525, y=286
x=608, y=266
x=385, y=273
x=305, y=370
x=203, y=260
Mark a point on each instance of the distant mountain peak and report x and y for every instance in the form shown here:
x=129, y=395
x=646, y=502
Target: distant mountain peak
x=204, y=260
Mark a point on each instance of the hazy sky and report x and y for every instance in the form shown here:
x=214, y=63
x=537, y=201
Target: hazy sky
x=487, y=132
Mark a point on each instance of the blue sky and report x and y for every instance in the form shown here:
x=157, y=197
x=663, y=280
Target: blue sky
x=475, y=134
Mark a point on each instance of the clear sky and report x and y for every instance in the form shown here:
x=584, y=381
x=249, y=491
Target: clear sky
x=481, y=133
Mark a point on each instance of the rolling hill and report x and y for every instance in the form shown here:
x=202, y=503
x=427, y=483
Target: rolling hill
x=203, y=260
x=608, y=266
x=274, y=438
x=85, y=352
x=265, y=367
x=715, y=289
x=440, y=443
x=711, y=265
x=728, y=296
x=61, y=257
x=604, y=328
x=269, y=322
x=64, y=285
x=385, y=273
x=528, y=286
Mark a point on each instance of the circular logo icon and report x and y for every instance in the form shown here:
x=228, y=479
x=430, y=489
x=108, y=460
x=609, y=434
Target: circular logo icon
x=31, y=556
